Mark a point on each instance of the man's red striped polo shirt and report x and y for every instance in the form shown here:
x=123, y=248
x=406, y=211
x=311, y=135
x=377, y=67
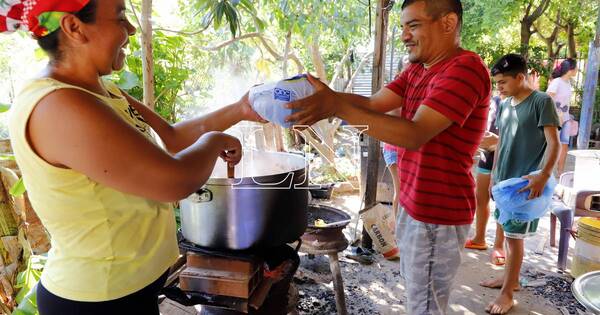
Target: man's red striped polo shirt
x=436, y=182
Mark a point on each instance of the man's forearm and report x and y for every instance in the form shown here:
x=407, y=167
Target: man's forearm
x=355, y=99
x=387, y=128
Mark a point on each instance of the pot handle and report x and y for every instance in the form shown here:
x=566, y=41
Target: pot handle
x=202, y=195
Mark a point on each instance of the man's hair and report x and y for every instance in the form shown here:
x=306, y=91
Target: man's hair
x=438, y=8
x=511, y=64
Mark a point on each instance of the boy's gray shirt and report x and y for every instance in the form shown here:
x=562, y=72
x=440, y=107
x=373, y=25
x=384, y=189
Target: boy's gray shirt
x=522, y=139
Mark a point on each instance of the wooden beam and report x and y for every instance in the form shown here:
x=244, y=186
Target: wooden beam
x=374, y=148
x=147, y=55
x=589, y=91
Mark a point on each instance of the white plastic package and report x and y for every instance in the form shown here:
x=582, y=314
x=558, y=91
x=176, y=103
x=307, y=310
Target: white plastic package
x=269, y=100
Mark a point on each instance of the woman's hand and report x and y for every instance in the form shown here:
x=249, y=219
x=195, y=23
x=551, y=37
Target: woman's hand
x=489, y=141
x=231, y=150
x=246, y=110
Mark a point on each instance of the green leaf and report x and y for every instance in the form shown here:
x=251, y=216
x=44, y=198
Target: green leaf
x=4, y=107
x=27, y=281
x=220, y=10
x=7, y=157
x=128, y=80
x=18, y=189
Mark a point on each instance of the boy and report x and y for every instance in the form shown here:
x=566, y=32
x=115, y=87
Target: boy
x=528, y=129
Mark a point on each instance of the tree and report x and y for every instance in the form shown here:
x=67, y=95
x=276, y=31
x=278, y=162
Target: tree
x=531, y=15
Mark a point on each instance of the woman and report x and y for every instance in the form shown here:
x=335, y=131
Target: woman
x=482, y=194
x=93, y=171
x=560, y=90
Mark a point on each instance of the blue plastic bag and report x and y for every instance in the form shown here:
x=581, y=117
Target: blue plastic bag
x=269, y=100
x=514, y=205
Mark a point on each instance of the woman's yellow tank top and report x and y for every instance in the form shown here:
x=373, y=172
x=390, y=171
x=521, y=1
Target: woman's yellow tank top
x=105, y=244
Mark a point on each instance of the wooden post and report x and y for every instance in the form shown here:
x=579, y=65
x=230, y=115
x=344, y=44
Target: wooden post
x=374, y=149
x=589, y=91
x=147, y=56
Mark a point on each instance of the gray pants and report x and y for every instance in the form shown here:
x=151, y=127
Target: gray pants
x=430, y=255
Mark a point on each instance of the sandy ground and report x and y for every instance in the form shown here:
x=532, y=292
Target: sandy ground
x=378, y=288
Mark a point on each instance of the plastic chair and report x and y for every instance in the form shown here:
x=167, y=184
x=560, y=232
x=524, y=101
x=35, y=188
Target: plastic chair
x=567, y=204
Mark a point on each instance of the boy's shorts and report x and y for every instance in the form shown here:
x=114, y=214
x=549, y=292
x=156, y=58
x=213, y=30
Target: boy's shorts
x=517, y=229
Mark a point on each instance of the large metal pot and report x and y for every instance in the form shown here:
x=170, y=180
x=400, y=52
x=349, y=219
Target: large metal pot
x=264, y=206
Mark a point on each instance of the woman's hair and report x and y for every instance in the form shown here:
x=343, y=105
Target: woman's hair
x=564, y=67
x=50, y=43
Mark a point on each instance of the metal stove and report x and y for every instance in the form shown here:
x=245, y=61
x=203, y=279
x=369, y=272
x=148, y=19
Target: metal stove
x=237, y=282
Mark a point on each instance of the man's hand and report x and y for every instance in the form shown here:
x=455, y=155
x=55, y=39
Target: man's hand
x=489, y=141
x=247, y=112
x=321, y=105
x=536, y=185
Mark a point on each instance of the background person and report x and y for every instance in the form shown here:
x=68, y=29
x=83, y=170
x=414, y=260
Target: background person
x=561, y=91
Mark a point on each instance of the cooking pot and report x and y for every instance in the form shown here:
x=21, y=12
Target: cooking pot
x=264, y=206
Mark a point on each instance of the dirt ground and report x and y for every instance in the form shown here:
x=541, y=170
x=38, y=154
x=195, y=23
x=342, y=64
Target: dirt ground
x=378, y=288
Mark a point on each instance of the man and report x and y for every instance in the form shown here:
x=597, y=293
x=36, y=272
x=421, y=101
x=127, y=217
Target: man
x=444, y=98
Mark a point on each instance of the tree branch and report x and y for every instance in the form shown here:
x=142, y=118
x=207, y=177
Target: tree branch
x=184, y=32
x=537, y=13
x=339, y=68
x=231, y=41
x=137, y=19
x=539, y=10
x=278, y=56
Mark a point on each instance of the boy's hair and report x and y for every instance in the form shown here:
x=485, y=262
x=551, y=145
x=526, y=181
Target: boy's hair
x=511, y=64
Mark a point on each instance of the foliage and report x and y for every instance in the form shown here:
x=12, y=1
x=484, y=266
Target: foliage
x=18, y=189
x=171, y=71
x=27, y=281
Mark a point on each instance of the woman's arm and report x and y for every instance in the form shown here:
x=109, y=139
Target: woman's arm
x=183, y=134
x=72, y=129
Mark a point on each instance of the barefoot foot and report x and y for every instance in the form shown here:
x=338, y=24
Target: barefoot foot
x=502, y=305
x=496, y=283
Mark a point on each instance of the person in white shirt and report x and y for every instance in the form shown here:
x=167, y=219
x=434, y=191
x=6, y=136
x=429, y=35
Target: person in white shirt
x=560, y=90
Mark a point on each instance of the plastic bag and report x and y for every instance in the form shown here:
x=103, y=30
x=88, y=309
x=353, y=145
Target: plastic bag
x=514, y=205
x=269, y=100
x=379, y=222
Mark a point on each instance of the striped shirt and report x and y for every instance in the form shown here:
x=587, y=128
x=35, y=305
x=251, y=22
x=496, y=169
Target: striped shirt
x=436, y=182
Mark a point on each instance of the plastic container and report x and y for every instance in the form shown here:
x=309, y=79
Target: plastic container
x=587, y=247
x=269, y=100
x=587, y=169
x=515, y=205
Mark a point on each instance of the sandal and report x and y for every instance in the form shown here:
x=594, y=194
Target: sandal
x=470, y=245
x=363, y=256
x=498, y=257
